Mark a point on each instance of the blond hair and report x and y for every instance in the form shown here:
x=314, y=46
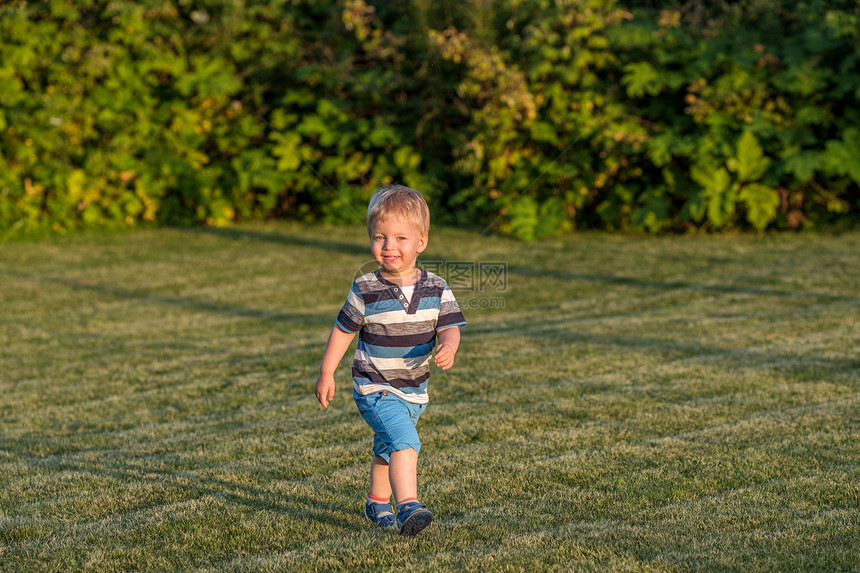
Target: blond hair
x=399, y=201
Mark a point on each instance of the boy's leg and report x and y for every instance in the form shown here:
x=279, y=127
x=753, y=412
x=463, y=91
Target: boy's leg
x=380, y=485
x=403, y=474
x=377, y=507
x=395, y=443
x=412, y=516
x=395, y=438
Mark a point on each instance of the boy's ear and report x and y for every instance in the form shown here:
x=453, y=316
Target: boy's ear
x=422, y=243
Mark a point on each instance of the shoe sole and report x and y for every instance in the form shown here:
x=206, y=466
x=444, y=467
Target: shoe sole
x=416, y=523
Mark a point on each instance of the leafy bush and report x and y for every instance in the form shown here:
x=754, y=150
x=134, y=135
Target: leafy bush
x=539, y=116
x=204, y=112
x=769, y=112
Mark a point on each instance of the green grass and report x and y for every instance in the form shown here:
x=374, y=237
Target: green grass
x=639, y=404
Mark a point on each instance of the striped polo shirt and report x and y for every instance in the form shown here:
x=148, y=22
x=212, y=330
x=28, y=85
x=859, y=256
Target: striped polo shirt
x=396, y=334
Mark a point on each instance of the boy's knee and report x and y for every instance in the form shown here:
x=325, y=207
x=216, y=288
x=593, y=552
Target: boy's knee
x=410, y=451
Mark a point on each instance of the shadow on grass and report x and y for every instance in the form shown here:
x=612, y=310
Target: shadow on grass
x=234, y=234
x=255, y=498
x=796, y=366
x=674, y=285
x=111, y=291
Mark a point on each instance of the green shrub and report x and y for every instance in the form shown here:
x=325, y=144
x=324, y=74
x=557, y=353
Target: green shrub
x=769, y=111
x=539, y=116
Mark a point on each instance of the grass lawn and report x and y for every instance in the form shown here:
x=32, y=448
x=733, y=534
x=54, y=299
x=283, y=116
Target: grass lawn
x=618, y=403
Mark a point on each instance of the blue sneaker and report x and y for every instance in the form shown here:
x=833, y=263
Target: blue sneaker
x=413, y=517
x=380, y=514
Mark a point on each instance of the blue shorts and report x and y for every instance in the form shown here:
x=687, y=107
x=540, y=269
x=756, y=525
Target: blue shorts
x=392, y=421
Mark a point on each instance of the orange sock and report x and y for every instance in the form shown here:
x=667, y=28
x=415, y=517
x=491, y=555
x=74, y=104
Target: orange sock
x=410, y=500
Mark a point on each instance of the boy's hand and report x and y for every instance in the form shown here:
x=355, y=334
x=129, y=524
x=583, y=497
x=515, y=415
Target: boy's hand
x=444, y=356
x=325, y=389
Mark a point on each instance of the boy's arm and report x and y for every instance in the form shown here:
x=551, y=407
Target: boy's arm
x=449, y=342
x=338, y=342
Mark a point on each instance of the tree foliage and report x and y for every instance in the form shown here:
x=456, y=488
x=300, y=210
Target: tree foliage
x=538, y=115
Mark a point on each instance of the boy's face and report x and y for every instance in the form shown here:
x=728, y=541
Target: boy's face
x=396, y=244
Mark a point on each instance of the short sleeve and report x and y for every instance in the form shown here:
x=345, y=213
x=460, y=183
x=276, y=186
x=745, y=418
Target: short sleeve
x=351, y=317
x=449, y=311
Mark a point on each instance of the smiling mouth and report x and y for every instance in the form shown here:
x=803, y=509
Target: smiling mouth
x=389, y=259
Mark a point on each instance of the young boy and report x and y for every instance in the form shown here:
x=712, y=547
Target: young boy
x=398, y=311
